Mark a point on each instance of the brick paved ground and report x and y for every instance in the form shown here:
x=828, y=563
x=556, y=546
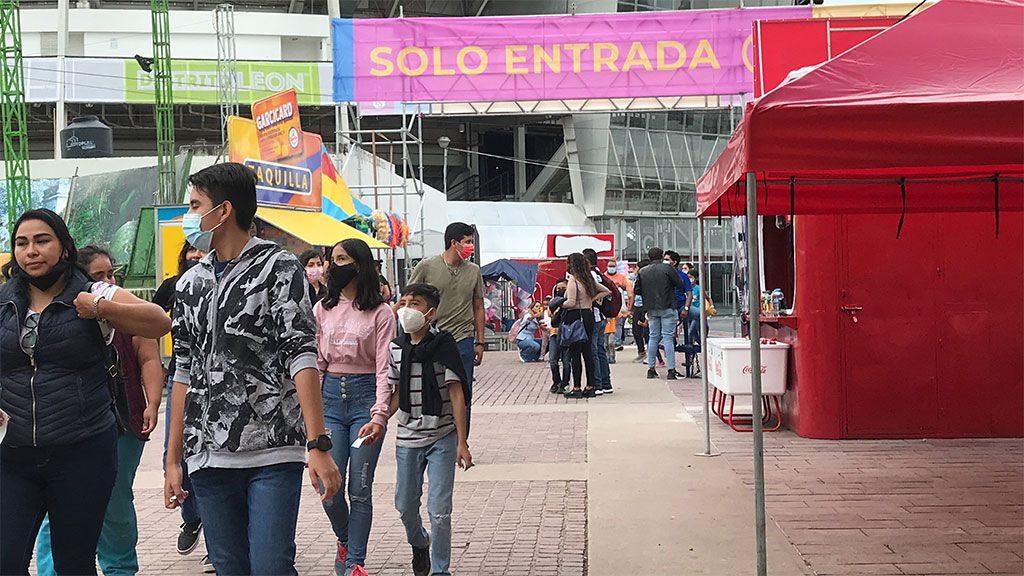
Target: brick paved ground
x=886, y=507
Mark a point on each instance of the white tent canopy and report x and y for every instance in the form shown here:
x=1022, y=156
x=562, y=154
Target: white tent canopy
x=519, y=229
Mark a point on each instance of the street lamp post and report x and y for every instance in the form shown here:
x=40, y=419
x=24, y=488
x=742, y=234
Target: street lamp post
x=443, y=142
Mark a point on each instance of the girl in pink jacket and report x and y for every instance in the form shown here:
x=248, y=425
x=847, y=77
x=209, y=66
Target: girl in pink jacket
x=354, y=331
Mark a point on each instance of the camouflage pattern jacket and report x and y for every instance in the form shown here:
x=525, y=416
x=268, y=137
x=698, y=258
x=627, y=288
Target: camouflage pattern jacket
x=242, y=331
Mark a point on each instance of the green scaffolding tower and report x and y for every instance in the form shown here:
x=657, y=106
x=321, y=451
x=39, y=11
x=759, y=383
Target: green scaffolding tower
x=163, y=94
x=12, y=94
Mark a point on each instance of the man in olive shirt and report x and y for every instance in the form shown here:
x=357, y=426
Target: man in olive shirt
x=461, y=285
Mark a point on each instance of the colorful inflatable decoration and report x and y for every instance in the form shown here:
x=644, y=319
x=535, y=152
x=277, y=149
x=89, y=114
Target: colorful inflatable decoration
x=390, y=229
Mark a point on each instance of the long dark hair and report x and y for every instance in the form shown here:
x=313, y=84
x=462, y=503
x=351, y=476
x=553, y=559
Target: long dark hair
x=60, y=230
x=367, y=281
x=579, y=267
x=183, y=258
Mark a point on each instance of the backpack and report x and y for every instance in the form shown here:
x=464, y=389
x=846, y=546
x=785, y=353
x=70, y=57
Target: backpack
x=611, y=306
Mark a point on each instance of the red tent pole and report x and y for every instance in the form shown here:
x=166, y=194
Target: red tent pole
x=754, y=307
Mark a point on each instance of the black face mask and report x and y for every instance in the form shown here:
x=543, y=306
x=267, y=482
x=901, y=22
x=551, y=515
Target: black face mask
x=340, y=276
x=190, y=263
x=46, y=281
x=560, y=293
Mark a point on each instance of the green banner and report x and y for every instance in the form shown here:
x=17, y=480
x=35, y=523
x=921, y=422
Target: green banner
x=195, y=81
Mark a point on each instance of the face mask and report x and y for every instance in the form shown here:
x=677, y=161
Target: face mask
x=560, y=292
x=190, y=263
x=191, y=225
x=467, y=251
x=314, y=274
x=412, y=320
x=47, y=280
x=612, y=270
x=342, y=275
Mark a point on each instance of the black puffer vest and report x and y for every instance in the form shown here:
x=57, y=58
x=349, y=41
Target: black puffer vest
x=61, y=394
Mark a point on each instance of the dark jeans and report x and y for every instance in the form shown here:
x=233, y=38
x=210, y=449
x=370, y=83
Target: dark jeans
x=190, y=507
x=602, y=368
x=466, y=350
x=641, y=334
x=249, y=517
x=558, y=353
x=581, y=353
x=73, y=483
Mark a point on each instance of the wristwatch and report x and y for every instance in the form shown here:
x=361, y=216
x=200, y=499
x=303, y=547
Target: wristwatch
x=322, y=443
x=475, y=344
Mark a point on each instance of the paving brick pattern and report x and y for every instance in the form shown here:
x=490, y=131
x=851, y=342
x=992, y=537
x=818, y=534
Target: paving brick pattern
x=503, y=380
x=498, y=528
x=887, y=507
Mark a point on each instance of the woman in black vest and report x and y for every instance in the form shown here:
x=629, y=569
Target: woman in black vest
x=59, y=454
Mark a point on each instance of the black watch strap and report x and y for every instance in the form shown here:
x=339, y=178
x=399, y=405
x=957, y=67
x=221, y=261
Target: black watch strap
x=321, y=443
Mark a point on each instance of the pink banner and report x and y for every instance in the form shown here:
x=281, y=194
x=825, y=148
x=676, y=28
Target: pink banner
x=627, y=55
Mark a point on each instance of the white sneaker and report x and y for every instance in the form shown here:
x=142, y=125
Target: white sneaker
x=208, y=566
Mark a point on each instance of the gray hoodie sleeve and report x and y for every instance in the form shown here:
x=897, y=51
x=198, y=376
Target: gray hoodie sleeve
x=293, y=315
x=181, y=336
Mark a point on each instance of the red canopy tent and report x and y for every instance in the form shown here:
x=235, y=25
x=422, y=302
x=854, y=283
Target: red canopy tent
x=937, y=99
x=927, y=116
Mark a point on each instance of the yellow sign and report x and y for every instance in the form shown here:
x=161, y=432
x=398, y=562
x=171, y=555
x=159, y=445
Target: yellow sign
x=278, y=126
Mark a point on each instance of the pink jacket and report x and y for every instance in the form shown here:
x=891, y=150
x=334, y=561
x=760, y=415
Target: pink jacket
x=351, y=341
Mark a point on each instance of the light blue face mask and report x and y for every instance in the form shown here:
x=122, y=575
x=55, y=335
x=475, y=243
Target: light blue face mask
x=191, y=225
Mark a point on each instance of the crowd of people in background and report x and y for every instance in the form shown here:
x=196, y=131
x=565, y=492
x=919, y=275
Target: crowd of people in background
x=658, y=305
x=279, y=366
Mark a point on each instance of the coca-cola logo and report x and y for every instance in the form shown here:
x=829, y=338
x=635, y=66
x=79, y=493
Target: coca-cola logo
x=747, y=370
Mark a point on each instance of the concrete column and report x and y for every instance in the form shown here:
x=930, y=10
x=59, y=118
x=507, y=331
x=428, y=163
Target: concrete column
x=520, y=154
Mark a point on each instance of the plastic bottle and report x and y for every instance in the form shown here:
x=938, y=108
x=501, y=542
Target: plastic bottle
x=776, y=302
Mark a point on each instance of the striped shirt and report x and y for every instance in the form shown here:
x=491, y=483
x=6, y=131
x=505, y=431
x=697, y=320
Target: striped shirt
x=416, y=430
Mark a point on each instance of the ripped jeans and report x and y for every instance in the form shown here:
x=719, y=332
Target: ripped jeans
x=347, y=403
x=438, y=460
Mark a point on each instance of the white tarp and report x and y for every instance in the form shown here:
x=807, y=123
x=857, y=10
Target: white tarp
x=519, y=229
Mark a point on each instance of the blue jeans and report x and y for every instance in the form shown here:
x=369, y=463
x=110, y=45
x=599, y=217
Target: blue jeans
x=467, y=351
x=620, y=332
x=249, y=517
x=189, y=508
x=438, y=460
x=529, y=349
x=347, y=403
x=602, y=368
x=116, y=548
x=72, y=483
x=662, y=324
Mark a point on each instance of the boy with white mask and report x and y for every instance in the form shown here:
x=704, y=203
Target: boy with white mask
x=431, y=409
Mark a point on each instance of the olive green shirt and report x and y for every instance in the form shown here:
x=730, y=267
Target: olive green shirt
x=459, y=287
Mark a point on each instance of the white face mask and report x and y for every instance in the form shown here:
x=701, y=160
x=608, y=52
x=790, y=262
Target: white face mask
x=412, y=320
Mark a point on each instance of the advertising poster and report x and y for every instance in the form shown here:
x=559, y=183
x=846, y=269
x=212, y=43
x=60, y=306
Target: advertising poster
x=278, y=127
x=291, y=182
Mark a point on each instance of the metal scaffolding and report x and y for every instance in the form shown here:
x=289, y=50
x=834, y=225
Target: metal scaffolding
x=12, y=99
x=164, y=102
x=227, y=66
x=408, y=137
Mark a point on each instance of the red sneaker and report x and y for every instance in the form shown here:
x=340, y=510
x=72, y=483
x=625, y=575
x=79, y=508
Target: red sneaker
x=342, y=553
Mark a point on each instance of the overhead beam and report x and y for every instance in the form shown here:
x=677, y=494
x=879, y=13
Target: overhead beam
x=555, y=164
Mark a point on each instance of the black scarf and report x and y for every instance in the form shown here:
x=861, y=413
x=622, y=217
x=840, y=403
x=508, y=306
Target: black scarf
x=439, y=347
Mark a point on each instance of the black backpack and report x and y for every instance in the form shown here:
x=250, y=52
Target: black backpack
x=611, y=305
